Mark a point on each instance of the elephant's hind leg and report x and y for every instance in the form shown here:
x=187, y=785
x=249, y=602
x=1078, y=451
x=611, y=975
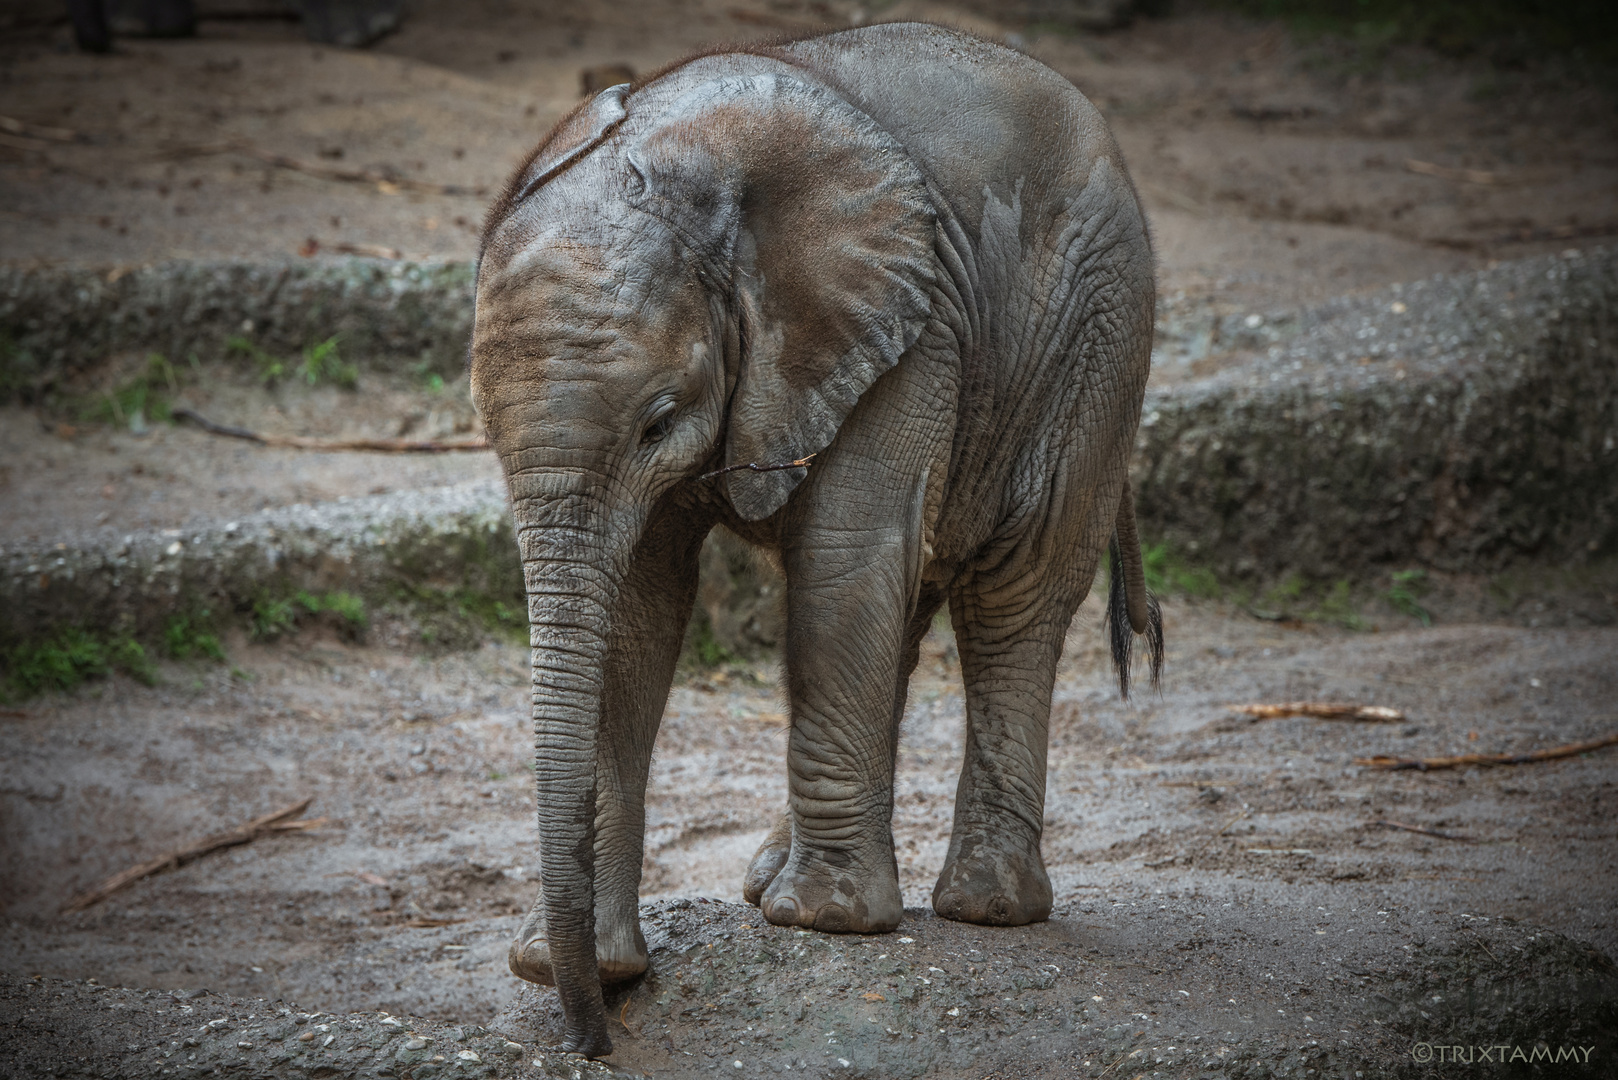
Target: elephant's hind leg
x=1009, y=645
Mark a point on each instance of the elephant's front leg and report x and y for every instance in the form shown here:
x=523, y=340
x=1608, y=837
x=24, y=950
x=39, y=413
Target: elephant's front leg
x=847, y=608
x=648, y=625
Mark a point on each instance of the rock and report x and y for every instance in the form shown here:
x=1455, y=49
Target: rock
x=350, y=23
x=1463, y=422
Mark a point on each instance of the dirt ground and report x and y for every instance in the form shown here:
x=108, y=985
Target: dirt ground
x=1172, y=825
x=1274, y=174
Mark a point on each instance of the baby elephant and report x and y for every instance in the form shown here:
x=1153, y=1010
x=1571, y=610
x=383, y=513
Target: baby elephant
x=880, y=302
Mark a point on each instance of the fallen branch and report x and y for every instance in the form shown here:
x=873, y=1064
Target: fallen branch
x=279, y=821
x=753, y=466
x=299, y=442
x=1383, y=823
x=1323, y=710
x=1382, y=761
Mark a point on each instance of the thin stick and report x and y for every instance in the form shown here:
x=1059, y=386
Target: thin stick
x=1244, y=812
x=242, y=834
x=753, y=466
x=1386, y=824
x=299, y=442
x=1382, y=761
x=12, y=126
x=1482, y=944
x=1323, y=710
x=427, y=922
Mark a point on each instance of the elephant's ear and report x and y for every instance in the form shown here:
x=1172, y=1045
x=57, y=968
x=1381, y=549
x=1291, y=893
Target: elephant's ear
x=576, y=136
x=830, y=229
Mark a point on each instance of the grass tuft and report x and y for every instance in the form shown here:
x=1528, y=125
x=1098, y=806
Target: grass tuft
x=143, y=400
x=68, y=659
x=272, y=617
x=187, y=637
x=1405, y=594
x=1167, y=572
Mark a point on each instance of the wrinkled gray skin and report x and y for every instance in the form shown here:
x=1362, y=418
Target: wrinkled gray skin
x=911, y=253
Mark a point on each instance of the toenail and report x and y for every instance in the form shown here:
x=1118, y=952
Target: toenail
x=831, y=919
x=784, y=911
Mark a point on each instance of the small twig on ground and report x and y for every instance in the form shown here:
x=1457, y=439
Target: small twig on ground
x=311, y=247
x=12, y=126
x=1323, y=710
x=424, y=922
x=753, y=466
x=1460, y=176
x=1382, y=761
x=1244, y=812
x=1481, y=943
x=1384, y=823
x=279, y=821
x=369, y=251
x=299, y=442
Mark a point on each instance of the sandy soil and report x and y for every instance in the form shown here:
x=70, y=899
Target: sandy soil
x=1171, y=803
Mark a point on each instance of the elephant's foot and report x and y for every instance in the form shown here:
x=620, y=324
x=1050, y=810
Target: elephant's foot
x=993, y=885
x=768, y=860
x=835, y=893
x=620, y=950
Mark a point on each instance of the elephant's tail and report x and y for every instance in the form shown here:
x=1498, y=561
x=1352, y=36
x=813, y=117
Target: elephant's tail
x=1131, y=608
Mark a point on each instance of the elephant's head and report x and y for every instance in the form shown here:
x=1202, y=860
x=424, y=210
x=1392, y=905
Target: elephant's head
x=709, y=270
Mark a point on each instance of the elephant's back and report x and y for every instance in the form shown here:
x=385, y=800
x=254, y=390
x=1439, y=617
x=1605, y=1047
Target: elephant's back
x=976, y=115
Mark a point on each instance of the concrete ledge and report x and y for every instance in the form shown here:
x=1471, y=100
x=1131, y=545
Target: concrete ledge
x=450, y=538
x=60, y=320
x=1463, y=423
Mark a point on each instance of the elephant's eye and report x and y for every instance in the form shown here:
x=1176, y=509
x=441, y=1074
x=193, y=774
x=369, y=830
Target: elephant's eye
x=658, y=429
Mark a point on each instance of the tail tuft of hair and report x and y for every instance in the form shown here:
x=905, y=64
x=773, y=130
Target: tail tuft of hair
x=1121, y=635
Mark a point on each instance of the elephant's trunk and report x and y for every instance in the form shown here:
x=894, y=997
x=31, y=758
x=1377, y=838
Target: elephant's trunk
x=571, y=579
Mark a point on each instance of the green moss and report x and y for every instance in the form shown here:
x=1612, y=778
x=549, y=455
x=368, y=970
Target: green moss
x=319, y=363
x=463, y=617
x=271, y=617
x=19, y=370
x=1337, y=606
x=322, y=363
x=1405, y=593
x=270, y=370
x=1296, y=597
x=67, y=659
x=702, y=650
x=143, y=399
x=187, y=637
x=1167, y=572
